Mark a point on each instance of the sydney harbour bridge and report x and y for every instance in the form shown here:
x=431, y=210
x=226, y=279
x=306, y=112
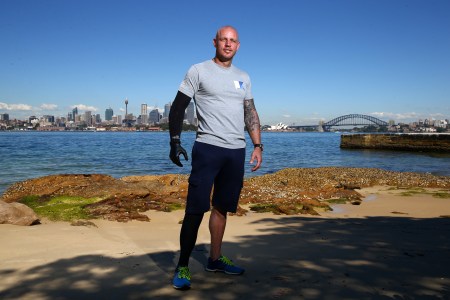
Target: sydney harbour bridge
x=347, y=120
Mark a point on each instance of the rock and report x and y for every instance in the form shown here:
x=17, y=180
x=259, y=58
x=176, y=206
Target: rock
x=123, y=199
x=308, y=210
x=82, y=185
x=348, y=186
x=17, y=214
x=284, y=192
x=83, y=223
x=424, y=142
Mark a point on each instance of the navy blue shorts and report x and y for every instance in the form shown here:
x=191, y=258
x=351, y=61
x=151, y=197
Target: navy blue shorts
x=219, y=167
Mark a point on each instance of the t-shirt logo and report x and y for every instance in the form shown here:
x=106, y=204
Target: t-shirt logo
x=239, y=85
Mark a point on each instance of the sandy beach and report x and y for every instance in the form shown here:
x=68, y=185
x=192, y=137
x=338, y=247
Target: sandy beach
x=390, y=247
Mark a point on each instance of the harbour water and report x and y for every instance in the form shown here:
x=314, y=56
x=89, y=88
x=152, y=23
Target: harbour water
x=26, y=155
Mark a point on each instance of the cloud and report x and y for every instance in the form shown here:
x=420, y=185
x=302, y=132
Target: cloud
x=19, y=107
x=84, y=107
x=286, y=116
x=396, y=116
x=46, y=106
x=406, y=116
x=150, y=108
x=438, y=116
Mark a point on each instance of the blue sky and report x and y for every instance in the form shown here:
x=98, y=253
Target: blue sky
x=308, y=60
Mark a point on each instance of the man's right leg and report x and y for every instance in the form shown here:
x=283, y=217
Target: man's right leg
x=188, y=237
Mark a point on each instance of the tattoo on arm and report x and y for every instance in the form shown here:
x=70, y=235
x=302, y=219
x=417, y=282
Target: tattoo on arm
x=251, y=118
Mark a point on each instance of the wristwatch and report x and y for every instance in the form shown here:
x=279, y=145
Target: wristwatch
x=260, y=146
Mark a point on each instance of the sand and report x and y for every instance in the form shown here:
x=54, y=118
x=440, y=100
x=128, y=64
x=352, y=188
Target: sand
x=389, y=247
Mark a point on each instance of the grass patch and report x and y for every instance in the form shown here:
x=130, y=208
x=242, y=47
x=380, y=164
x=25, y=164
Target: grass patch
x=286, y=209
x=391, y=188
x=60, y=208
x=174, y=206
x=260, y=207
x=442, y=195
x=323, y=208
x=413, y=191
x=408, y=193
x=337, y=201
x=438, y=194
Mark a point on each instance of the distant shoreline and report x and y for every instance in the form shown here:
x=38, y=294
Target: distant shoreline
x=262, y=131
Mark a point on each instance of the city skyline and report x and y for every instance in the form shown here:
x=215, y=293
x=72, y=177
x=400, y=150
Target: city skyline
x=309, y=61
x=189, y=114
x=148, y=115
x=158, y=117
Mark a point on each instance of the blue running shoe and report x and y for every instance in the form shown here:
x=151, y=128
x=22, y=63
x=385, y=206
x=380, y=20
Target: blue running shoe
x=182, y=279
x=223, y=264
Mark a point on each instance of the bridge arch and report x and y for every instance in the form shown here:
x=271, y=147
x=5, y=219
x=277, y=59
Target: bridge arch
x=353, y=120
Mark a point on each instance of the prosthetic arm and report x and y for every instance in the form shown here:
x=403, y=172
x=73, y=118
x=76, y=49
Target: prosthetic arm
x=176, y=117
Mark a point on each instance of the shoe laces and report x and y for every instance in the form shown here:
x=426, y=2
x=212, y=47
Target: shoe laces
x=183, y=272
x=226, y=260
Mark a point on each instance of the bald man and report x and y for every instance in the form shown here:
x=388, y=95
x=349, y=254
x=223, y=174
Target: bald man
x=225, y=107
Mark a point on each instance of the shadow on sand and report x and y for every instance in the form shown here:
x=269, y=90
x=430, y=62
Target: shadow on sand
x=294, y=258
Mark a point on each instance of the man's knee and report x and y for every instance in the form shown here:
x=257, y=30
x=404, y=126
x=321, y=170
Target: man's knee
x=220, y=210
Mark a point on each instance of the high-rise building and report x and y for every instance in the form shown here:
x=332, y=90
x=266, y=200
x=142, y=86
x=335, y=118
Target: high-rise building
x=154, y=116
x=48, y=118
x=190, y=113
x=75, y=113
x=109, y=114
x=4, y=117
x=60, y=121
x=144, y=115
x=117, y=119
x=88, y=117
x=167, y=110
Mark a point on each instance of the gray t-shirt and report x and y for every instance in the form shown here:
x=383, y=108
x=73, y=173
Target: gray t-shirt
x=219, y=95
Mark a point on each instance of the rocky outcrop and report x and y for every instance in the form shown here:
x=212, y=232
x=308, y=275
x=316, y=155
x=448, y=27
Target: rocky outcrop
x=17, y=214
x=407, y=142
x=122, y=199
x=289, y=191
x=157, y=188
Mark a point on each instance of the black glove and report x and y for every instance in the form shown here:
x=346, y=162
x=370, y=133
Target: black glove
x=175, y=151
